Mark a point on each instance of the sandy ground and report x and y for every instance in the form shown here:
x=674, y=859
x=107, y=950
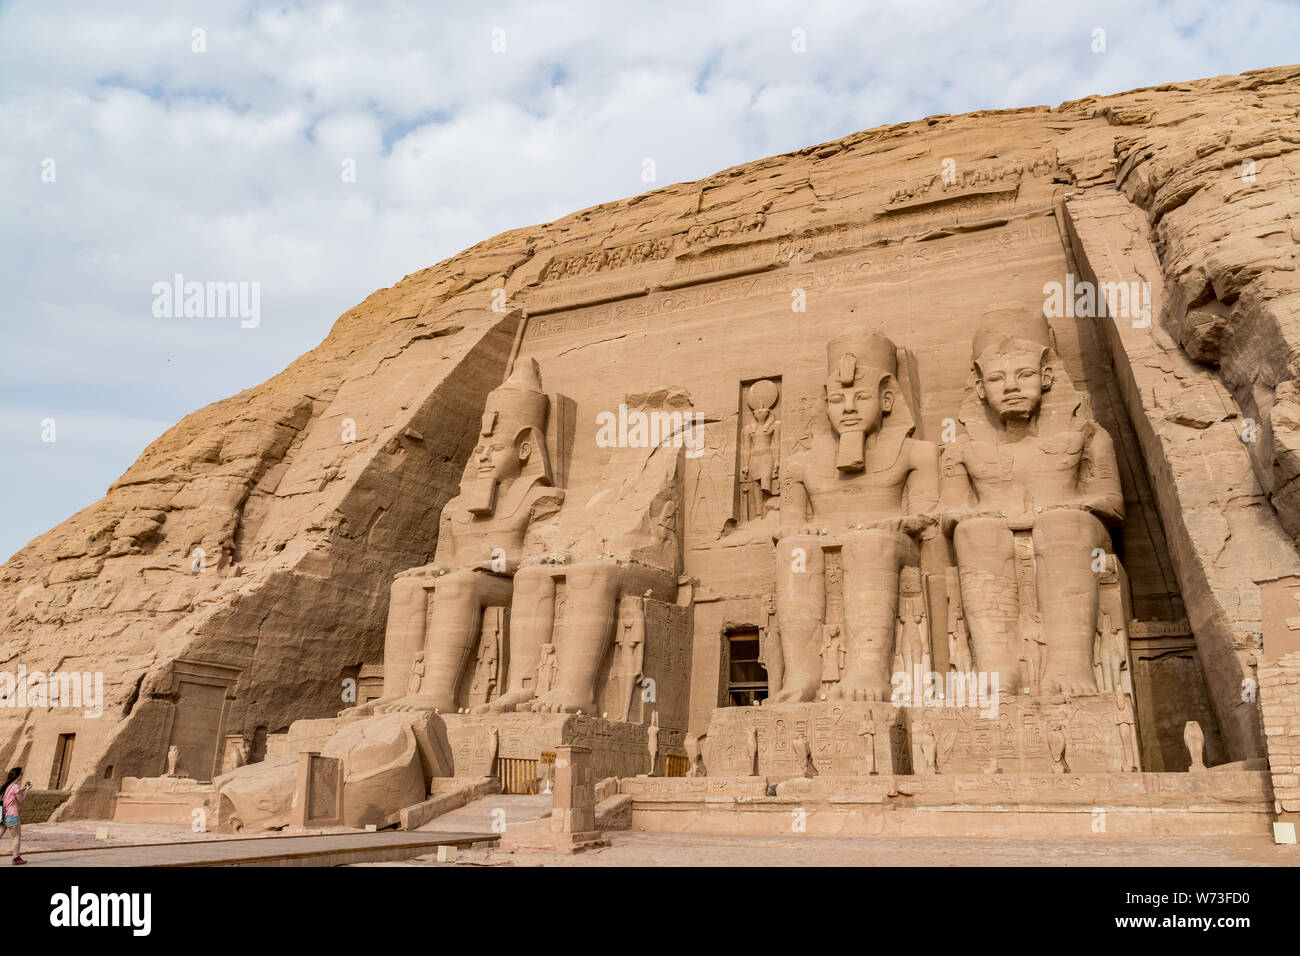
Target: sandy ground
x=664, y=849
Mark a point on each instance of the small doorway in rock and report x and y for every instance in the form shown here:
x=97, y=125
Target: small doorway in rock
x=746, y=676
x=62, y=762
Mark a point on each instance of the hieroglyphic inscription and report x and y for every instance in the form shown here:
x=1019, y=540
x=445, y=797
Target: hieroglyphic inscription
x=965, y=178
x=833, y=731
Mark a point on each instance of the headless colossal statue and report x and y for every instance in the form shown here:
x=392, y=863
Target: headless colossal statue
x=863, y=494
x=437, y=609
x=625, y=542
x=1026, y=489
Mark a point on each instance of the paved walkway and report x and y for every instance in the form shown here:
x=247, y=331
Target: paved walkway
x=331, y=849
x=633, y=848
x=486, y=814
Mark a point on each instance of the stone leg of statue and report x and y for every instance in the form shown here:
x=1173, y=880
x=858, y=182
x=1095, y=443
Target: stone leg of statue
x=592, y=593
x=871, y=561
x=454, y=630
x=800, y=613
x=532, y=619
x=408, y=599
x=986, y=559
x=1068, y=595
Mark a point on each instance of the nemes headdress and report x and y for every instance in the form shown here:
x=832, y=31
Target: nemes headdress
x=1011, y=328
x=517, y=404
x=853, y=357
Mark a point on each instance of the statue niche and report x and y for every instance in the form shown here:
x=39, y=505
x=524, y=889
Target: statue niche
x=1026, y=490
x=760, y=451
x=853, y=507
x=435, y=612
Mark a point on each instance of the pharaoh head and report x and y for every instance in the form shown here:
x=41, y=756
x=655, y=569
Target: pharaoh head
x=512, y=436
x=860, y=392
x=1010, y=355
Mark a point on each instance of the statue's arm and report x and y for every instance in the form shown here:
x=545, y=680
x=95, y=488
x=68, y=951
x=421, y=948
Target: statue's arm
x=444, y=555
x=746, y=449
x=954, y=483
x=796, y=509
x=543, y=522
x=956, y=493
x=923, y=482
x=776, y=451
x=1099, y=477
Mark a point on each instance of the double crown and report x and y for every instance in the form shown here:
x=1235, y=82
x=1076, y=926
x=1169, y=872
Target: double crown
x=849, y=357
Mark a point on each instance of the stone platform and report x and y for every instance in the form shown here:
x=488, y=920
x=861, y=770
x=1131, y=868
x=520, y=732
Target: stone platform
x=165, y=800
x=972, y=740
x=958, y=805
x=834, y=730
x=618, y=748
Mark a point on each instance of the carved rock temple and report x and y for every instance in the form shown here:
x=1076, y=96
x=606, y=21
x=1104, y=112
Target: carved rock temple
x=941, y=479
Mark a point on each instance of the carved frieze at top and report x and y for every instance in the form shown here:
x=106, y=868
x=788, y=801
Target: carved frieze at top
x=955, y=180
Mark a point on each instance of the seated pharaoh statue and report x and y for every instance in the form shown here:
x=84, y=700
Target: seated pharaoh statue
x=1026, y=490
x=435, y=612
x=619, y=550
x=853, y=508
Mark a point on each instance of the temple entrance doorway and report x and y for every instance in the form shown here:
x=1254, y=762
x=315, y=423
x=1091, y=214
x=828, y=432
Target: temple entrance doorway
x=746, y=675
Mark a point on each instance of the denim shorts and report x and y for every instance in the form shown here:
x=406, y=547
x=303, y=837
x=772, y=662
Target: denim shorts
x=11, y=821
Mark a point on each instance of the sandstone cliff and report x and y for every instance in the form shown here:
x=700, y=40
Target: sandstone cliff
x=261, y=532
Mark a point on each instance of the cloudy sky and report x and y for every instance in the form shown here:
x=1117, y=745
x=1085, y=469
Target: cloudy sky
x=133, y=148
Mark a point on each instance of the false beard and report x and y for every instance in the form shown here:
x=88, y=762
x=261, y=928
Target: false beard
x=849, y=454
x=484, y=499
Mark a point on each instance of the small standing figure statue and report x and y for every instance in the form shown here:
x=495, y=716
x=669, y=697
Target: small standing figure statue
x=493, y=749
x=760, y=450
x=803, y=760
x=911, y=640
x=417, y=675
x=751, y=750
x=833, y=657
x=1194, y=738
x=925, y=747
x=770, y=654
x=694, y=756
x=867, y=731
x=173, y=756
x=1127, y=738
x=486, y=667
x=652, y=740
x=547, y=667
x=1034, y=649
x=959, y=656
x=1056, y=747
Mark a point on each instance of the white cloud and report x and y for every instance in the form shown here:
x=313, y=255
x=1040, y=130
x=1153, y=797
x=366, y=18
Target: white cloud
x=225, y=165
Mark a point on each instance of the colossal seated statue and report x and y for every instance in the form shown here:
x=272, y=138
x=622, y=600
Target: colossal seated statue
x=853, y=507
x=436, y=610
x=621, y=549
x=1026, y=490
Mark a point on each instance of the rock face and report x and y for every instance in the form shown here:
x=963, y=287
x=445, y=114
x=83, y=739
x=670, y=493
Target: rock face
x=237, y=577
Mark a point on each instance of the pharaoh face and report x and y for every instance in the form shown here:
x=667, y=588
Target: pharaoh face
x=499, y=459
x=858, y=407
x=1012, y=382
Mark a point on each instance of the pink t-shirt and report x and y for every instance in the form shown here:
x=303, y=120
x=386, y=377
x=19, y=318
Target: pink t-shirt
x=11, y=800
